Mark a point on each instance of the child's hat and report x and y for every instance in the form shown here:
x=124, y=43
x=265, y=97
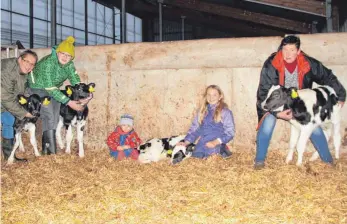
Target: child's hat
x=67, y=46
x=126, y=119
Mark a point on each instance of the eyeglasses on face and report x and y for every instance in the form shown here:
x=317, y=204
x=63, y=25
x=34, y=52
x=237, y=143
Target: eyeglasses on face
x=28, y=62
x=65, y=55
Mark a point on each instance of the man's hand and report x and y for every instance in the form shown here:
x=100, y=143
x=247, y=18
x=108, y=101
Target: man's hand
x=75, y=105
x=29, y=115
x=212, y=144
x=285, y=115
x=341, y=103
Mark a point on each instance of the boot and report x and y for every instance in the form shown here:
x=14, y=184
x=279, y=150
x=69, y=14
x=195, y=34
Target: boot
x=224, y=151
x=49, y=145
x=7, y=146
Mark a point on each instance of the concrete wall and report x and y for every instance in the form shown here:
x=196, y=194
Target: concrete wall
x=161, y=83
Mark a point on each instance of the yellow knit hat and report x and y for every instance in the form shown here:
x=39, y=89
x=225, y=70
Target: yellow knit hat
x=67, y=46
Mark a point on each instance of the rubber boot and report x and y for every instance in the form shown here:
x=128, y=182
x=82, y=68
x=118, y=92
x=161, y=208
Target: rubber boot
x=224, y=151
x=7, y=146
x=49, y=145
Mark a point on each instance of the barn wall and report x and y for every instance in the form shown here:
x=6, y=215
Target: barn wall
x=161, y=83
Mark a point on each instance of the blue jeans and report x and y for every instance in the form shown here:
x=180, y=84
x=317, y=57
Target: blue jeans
x=114, y=154
x=7, y=122
x=265, y=133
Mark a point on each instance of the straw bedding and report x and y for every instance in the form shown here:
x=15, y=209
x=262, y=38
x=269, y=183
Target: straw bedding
x=97, y=189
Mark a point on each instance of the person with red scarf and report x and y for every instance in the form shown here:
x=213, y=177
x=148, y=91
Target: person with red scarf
x=123, y=141
x=291, y=67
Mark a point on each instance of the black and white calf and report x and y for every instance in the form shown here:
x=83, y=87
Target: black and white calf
x=32, y=104
x=181, y=152
x=71, y=118
x=157, y=149
x=310, y=108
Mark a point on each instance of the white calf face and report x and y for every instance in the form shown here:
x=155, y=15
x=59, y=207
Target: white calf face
x=151, y=150
x=181, y=153
x=276, y=98
x=174, y=140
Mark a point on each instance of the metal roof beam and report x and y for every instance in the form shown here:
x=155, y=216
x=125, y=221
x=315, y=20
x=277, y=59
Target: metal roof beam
x=241, y=14
x=312, y=7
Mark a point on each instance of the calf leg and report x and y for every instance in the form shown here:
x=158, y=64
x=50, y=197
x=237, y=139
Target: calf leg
x=337, y=139
x=69, y=137
x=21, y=146
x=305, y=134
x=32, y=130
x=15, y=146
x=294, y=135
x=80, y=128
x=58, y=133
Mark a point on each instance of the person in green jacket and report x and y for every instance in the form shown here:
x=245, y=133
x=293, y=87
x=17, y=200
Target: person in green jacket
x=14, y=73
x=48, y=76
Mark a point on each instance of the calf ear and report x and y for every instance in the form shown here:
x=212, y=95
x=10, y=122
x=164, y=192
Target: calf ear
x=91, y=87
x=22, y=99
x=68, y=89
x=190, y=147
x=46, y=100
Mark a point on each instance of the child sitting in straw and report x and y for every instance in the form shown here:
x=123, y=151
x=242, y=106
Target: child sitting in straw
x=213, y=126
x=123, y=141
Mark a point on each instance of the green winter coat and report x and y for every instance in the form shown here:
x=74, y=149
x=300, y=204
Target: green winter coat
x=12, y=84
x=50, y=75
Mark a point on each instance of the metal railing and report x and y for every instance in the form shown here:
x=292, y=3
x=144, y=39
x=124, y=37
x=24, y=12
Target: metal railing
x=10, y=48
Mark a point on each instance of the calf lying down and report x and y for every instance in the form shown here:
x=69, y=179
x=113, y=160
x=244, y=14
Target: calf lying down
x=157, y=149
x=310, y=108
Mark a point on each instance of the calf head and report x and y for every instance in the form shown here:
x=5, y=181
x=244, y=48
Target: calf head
x=181, y=152
x=279, y=98
x=79, y=91
x=33, y=103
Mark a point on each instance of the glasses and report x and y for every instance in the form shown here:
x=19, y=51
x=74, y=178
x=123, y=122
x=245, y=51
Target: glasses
x=65, y=55
x=28, y=62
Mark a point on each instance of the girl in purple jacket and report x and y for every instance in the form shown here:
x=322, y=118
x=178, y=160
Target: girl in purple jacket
x=213, y=126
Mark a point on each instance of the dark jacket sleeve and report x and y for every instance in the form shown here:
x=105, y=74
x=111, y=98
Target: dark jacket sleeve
x=324, y=76
x=9, y=81
x=268, y=77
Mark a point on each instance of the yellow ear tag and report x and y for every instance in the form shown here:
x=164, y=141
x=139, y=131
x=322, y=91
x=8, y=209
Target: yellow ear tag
x=46, y=102
x=69, y=91
x=294, y=94
x=169, y=152
x=22, y=100
x=91, y=89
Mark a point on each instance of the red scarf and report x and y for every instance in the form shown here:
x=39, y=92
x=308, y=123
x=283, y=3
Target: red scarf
x=303, y=67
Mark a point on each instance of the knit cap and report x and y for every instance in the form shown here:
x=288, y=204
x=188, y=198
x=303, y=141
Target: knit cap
x=67, y=46
x=126, y=119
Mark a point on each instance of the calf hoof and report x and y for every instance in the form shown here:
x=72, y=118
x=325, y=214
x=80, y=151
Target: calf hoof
x=288, y=160
x=299, y=164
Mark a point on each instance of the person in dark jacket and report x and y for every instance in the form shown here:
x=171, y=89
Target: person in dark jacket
x=14, y=73
x=291, y=67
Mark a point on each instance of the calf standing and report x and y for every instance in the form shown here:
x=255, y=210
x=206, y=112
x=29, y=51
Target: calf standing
x=32, y=104
x=310, y=108
x=70, y=117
